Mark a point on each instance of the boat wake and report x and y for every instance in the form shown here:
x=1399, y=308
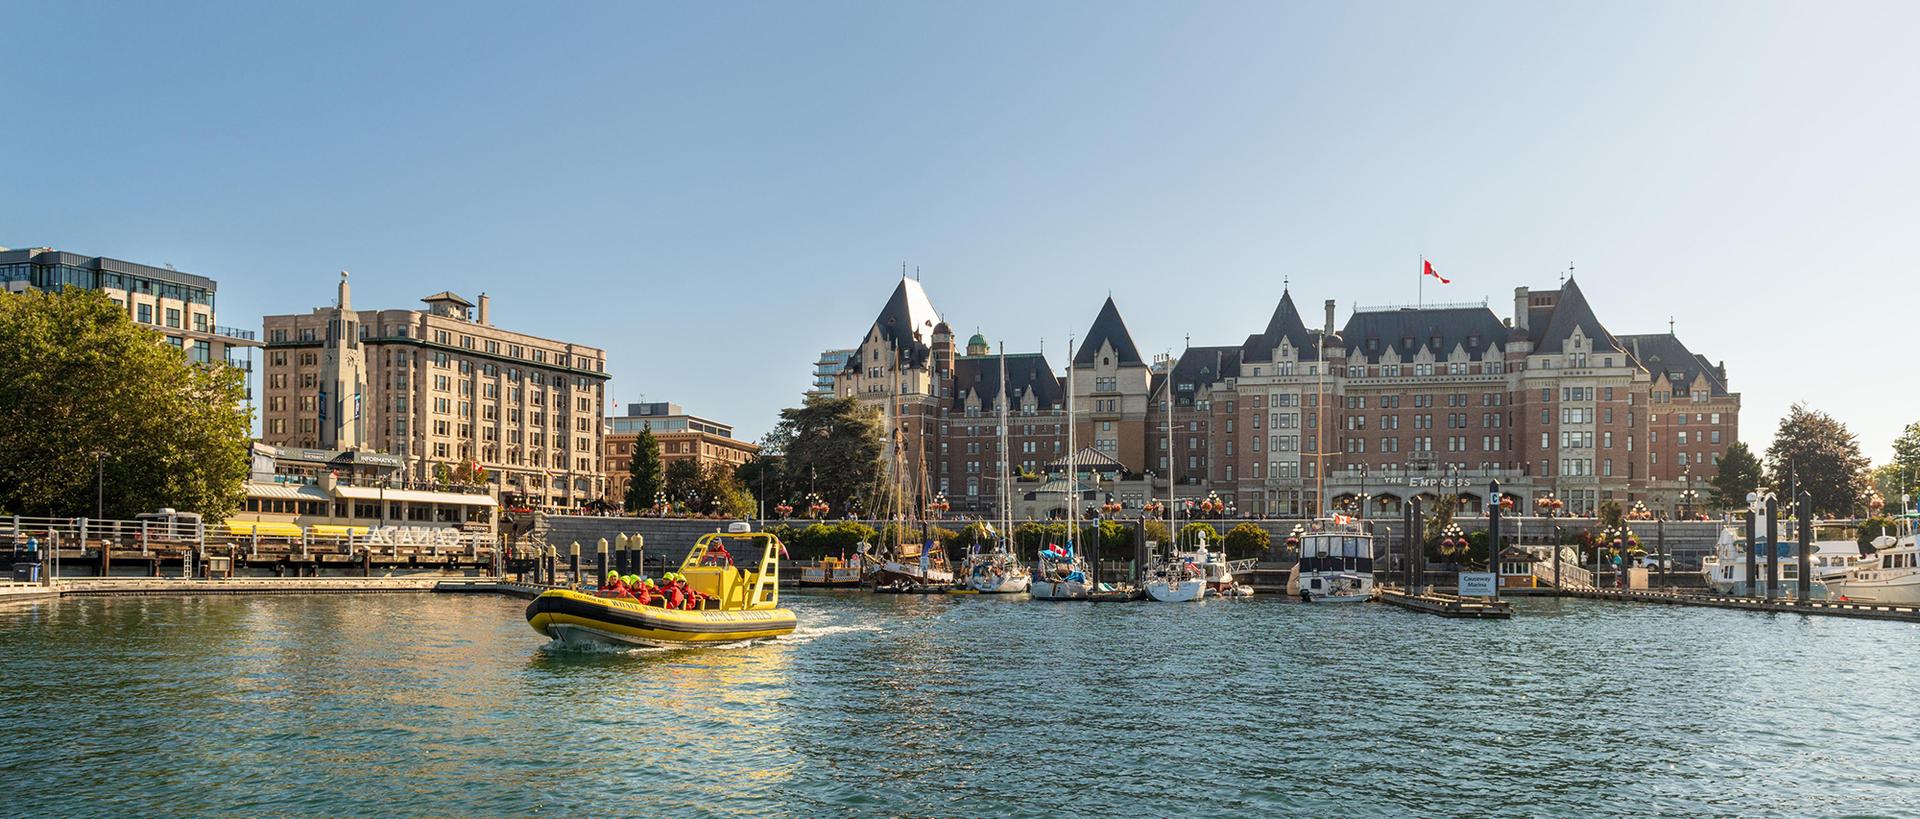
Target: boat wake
x=803, y=635
x=564, y=647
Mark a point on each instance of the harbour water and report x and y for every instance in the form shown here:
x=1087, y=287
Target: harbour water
x=408, y=704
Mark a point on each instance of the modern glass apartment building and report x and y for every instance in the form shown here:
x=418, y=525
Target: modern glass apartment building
x=827, y=368
x=179, y=306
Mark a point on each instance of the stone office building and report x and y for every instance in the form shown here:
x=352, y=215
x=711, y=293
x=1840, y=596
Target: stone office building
x=1397, y=403
x=440, y=388
x=679, y=436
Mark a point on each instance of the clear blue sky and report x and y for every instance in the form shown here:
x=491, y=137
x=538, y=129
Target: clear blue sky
x=717, y=191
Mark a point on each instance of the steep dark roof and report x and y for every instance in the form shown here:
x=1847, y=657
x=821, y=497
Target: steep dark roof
x=1569, y=312
x=1110, y=328
x=908, y=315
x=1670, y=361
x=1199, y=367
x=907, y=321
x=1285, y=325
x=1396, y=336
x=1026, y=373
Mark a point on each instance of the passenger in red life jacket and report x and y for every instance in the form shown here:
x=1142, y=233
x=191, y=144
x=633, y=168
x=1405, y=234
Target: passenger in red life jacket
x=676, y=593
x=645, y=593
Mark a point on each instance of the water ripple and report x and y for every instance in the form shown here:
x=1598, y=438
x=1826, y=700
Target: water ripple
x=436, y=705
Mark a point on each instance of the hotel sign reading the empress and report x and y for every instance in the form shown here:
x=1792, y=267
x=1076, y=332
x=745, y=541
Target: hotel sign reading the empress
x=1420, y=481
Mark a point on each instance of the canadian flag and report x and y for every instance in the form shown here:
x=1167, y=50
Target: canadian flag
x=1341, y=520
x=1429, y=271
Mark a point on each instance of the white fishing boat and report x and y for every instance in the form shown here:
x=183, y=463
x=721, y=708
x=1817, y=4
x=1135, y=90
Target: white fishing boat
x=1336, y=562
x=1889, y=576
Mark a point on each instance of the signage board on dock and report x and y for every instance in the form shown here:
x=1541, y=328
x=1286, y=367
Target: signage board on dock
x=1477, y=584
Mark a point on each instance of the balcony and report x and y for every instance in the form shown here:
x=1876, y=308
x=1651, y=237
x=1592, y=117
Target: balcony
x=235, y=332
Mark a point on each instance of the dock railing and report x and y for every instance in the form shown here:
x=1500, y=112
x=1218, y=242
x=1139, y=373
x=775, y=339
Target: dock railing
x=16, y=529
x=1571, y=576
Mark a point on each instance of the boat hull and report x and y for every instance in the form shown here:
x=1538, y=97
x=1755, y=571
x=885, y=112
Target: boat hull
x=1057, y=590
x=575, y=618
x=1902, y=590
x=1008, y=584
x=1186, y=591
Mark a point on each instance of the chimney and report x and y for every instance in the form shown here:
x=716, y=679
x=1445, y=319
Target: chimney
x=1520, y=308
x=485, y=304
x=1329, y=317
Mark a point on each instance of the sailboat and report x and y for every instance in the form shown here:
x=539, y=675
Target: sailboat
x=1174, y=577
x=998, y=570
x=918, y=567
x=1060, y=572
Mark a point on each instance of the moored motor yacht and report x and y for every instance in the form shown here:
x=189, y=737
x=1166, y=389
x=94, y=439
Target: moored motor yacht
x=1889, y=576
x=1725, y=570
x=1336, y=562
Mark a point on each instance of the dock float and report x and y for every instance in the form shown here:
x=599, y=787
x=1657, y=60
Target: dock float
x=157, y=587
x=1447, y=605
x=1833, y=608
x=483, y=585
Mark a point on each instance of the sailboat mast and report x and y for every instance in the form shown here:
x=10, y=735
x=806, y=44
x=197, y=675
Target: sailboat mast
x=1172, y=460
x=1073, y=473
x=1006, y=455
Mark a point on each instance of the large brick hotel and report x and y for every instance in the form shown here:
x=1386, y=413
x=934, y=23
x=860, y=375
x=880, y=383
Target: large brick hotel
x=1396, y=403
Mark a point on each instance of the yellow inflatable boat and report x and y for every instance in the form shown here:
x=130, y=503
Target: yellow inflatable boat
x=737, y=603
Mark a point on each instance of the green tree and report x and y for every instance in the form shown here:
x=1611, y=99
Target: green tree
x=1247, y=540
x=1740, y=473
x=1190, y=534
x=683, y=484
x=722, y=493
x=765, y=475
x=835, y=446
x=1901, y=476
x=1611, y=513
x=1821, y=456
x=87, y=394
x=646, y=476
x=1155, y=529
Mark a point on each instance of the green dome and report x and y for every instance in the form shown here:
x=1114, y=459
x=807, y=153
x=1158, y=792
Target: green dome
x=977, y=341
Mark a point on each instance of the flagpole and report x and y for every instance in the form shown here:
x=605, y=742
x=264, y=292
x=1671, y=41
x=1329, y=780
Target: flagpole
x=1423, y=281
